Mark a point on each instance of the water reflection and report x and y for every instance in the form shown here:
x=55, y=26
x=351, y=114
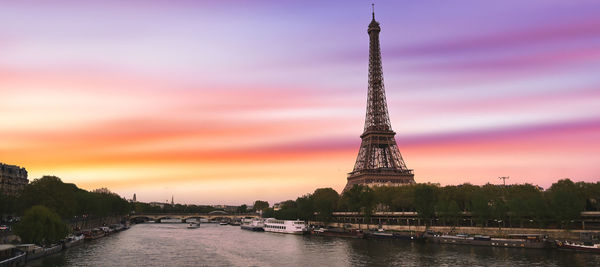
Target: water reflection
x=215, y=245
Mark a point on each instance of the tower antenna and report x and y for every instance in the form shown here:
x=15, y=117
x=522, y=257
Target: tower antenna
x=373, y=9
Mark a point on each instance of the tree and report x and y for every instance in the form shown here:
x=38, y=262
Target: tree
x=425, y=200
x=324, y=201
x=268, y=213
x=367, y=203
x=52, y=193
x=40, y=225
x=524, y=203
x=287, y=211
x=566, y=202
x=242, y=209
x=403, y=198
x=480, y=208
x=351, y=199
x=305, y=207
x=453, y=212
x=360, y=198
x=260, y=205
x=8, y=204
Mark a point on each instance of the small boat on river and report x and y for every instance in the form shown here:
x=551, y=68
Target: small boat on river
x=93, y=234
x=193, y=225
x=73, y=240
x=380, y=234
x=253, y=225
x=578, y=247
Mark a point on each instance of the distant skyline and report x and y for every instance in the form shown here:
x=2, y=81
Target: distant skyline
x=226, y=102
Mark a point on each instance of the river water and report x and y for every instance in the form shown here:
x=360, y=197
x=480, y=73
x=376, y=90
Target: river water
x=215, y=245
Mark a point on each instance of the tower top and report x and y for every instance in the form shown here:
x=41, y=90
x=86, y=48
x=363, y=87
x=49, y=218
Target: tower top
x=374, y=25
x=373, y=9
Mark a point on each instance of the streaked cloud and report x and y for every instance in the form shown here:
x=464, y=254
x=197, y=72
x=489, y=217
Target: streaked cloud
x=230, y=101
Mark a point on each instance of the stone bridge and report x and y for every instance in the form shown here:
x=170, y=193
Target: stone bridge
x=211, y=216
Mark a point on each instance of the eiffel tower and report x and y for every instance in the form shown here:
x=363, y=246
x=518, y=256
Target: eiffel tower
x=379, y=161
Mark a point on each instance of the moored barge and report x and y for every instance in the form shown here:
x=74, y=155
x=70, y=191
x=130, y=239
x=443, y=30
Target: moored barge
x=339, y=232
x=514, y=241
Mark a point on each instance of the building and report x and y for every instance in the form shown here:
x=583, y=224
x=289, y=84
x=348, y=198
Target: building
x=379, y=161
x=12, y=179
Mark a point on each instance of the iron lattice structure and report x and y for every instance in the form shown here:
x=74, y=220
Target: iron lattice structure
x=379, y=161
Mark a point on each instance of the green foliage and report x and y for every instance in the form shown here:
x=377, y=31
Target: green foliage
x=591, y=193
x=480, y=208
x=52, y=193
x=288, y=210
x=525, y=202
x=242, y=209
x=270, y=213
x=566, y=201
x=356, y=197
x=489, y=205
x=68, y=201
x=260, y=205
x=140, y=207
x=305, y=208
x=40, y=225
x=424, y=201
x=324, y=202
x=360, y=198
x=8, y=204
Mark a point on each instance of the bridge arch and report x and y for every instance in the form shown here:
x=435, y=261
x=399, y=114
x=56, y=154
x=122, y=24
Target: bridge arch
x=213, y=216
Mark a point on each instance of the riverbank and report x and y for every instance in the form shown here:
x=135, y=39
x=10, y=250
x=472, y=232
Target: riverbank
x=560, y=234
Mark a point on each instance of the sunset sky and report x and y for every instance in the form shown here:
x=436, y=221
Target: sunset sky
x=226, y=102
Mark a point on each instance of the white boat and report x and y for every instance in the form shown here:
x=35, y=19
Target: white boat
x=579, y=247
x=285, y=226
x=193, y=225
x=73, y=240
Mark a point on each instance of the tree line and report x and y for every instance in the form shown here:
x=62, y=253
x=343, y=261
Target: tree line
x=47, y=204
x=488, y=205
x=141, y=207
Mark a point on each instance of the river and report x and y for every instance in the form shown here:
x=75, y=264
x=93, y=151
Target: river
x=215, y=245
